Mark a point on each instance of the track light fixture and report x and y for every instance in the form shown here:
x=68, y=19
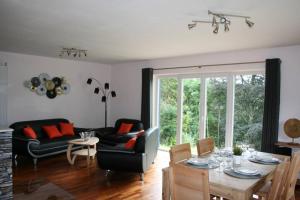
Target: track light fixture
x=72, y=52
x=220, y=19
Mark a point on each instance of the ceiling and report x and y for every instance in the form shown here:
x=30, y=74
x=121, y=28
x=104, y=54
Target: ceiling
x=130, y=30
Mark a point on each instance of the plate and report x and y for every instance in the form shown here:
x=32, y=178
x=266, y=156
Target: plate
x=266, y=159
x=232, y=173
x=197, y=161
x=245, y=171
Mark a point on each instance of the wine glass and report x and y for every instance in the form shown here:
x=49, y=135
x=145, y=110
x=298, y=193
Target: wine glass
x=251, y=151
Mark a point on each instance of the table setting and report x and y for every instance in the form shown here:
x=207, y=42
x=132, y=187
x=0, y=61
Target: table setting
x=234, y=162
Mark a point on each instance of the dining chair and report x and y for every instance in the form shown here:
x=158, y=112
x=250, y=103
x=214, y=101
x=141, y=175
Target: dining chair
x=292, y=176
x=273, y=190
x=188, y=183
x=205, y=146
x=180, y=152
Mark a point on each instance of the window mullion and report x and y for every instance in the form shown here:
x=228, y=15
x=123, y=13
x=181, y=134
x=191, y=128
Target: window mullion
x=230, y=110
x=202, y=117
x=179, y=111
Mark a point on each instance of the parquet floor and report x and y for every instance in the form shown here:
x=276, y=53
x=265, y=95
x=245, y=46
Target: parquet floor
x=91, y=183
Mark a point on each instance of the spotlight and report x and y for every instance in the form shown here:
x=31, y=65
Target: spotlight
x=216, y=30
x=89, y=81
x=85, y=54
x=226, y=27
x=103, y=99
x=68, y=52
x=249, y=23
x=106, y=86
x=113, y=94
x=75, y=54
x=96, y=91
x=190, y=26
x=214, y=21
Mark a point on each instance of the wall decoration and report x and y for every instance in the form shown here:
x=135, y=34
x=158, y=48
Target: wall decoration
x=45, y=85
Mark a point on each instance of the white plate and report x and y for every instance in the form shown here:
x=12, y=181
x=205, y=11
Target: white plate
x=197, y=161
x=245, y=171
x=266, y=159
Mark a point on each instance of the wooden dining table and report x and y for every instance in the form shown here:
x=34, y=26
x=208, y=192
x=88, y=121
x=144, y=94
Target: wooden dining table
x=223, y=185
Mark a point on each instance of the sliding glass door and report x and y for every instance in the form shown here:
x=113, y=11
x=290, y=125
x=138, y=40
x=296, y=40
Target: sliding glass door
x=227, y=107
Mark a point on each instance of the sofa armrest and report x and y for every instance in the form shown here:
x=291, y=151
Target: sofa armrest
x=21, y=144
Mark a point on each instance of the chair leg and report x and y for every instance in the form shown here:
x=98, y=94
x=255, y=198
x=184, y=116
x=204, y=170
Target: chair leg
x=142, y=176
x=35, y=162
x=14, y=160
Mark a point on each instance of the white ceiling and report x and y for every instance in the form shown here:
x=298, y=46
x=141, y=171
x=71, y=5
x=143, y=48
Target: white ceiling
x=128, y=30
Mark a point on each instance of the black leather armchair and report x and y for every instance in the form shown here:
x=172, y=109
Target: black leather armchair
x=109, y=135
x=117, y=158
x=42, y=146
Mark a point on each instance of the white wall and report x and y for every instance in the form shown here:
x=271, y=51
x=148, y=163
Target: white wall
x=80, y=106
x=126, y=78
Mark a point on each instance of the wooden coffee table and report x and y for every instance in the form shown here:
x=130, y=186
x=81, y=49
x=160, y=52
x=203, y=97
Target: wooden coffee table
x=86, y=151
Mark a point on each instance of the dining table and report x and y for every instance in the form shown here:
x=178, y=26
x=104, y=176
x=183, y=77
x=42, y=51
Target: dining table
x=229, y=187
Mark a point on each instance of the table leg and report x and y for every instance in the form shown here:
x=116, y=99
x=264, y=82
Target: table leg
x=69, y=156
x=88, y=157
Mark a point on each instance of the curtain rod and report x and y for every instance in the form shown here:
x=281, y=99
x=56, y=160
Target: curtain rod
x=220, y=64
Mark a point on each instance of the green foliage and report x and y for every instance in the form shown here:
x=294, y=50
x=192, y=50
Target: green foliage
x=249, y=98
x=237, y=151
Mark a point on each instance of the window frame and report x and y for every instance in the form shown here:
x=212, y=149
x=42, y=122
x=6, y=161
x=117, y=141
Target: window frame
x=203, y=74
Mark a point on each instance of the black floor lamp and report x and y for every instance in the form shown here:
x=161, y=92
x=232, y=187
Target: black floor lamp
x=105, y=93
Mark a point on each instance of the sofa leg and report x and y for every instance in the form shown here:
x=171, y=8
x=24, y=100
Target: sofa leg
x=142, y=176
x=14, y=160
x=35, y=162
x=107, y=173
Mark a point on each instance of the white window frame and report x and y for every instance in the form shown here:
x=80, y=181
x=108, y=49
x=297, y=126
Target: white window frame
x=203, y=74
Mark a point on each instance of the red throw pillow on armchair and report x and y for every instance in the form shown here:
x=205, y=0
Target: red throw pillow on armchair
x=125, y=128
x=66, y=128
x=131, y=143
x=52, y=131
x=29, y=132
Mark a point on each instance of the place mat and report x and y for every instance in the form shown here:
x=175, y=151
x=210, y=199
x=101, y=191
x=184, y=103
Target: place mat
x=232, y=173
x=262, y=162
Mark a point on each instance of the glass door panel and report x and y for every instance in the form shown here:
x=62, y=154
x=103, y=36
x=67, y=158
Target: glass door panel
x=248, y=110
x=216, y=109
x=190, y=122
x=167, y=112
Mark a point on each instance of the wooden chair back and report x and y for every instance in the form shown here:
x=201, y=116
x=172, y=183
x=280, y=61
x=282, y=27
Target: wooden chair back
x=292, y=176
x=277, y=186
x=205, y=146
x=189, y=183
x=180, y=152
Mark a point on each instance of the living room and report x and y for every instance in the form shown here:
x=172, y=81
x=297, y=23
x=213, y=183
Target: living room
x=175, y=72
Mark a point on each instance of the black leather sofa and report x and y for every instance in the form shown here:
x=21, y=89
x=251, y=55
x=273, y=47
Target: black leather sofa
x=112, y=155
x=42, y=146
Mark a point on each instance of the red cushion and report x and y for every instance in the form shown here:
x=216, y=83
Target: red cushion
x=29, y=132
x=124, y=128
x=131, y=143
x=52, y=131
x=66, y=128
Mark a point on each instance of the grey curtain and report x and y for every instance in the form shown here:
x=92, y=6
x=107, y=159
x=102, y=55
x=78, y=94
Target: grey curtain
x=147, y=79
x=271, y=105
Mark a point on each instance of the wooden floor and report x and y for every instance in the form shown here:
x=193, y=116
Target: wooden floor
x=91, y=183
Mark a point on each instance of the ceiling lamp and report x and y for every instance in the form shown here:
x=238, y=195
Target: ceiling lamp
x=220, y=19
x=72, y=52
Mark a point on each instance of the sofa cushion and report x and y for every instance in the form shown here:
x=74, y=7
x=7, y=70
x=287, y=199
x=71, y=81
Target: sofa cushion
x=117, y=138
x=52, y=131
x=124, y=128
x=29, y=132
x=66, y=128
x=137, y=124
x=50, y=145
